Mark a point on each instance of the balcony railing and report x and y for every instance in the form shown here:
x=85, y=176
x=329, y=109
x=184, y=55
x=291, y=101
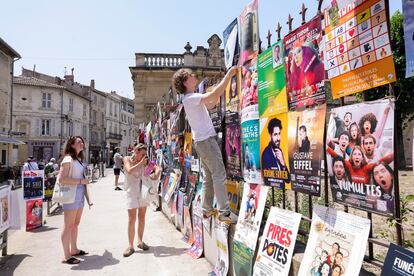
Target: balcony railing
x=160, y=60
x=115, y=136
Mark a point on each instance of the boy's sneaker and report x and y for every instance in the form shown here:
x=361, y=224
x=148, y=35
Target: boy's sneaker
x=207, y=214
x=118, y=189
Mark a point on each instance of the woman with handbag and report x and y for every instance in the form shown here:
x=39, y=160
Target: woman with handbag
x=71, y=175
x=139, y=187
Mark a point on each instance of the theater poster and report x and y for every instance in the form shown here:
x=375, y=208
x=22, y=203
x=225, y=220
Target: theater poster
x=336, y=245
x=278, y=242
x=305, y=70
x=398, y=262
x=251, y=213
x=33, y=184
x=306, y=149
x=233, y=146
x=171, y=184
x=251, y=152
x=222, y=263
x=242, y=259
x=358, y=49
x=5, y=208
x=408, y=14
x=233, y=95
x=196, y=250
x=232, y=189
x=188, y=232
x=274, y=151
x=231, y=44
x=360, y=155
x=34, y=214
x=249, y=91
x=249, y=32
x=272, y=85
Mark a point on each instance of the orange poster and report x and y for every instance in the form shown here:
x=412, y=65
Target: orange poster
x=358, y=49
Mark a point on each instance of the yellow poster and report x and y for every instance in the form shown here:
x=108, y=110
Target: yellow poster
x=358, y=46
x=232, y=188
x=233, y=94
x=274, y=157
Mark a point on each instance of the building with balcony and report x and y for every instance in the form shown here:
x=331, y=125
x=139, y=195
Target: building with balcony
x=128, y=128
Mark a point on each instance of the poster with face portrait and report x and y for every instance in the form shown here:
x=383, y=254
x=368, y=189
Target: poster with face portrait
x=5, y=208
x=249, y=32
x=305, y=70
x=233, y=95
x=34, y=214
x=222, y=263
x=188, y=142
x=278, y=242
x=196, y=250
x=233, y=147
x=251, y=152
x=358, y=49
x=231, y=44
x=336, y=244
x=170, y=187
x=249, y=91
x=306, y=130
x=232, y=189
x=360, y=155
x=274, y=151
x=272, y=84
x=408, y=14
x=251, y=213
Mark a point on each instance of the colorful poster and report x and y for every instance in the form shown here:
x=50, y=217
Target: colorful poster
x=360, y=155
x=399, y=262
x=233, y=148
x=180, y=210
x=336, y=245
x=34, y=214
x=272, y=84
x=233, y=95
x=249, y=91
x=249, y=32
x=408, y=14
x=278, y=242
x=306, y=149
x=242, y=259
x=222, y=263
x=305, y=70
x=274, y=151
x=188, y=230
x=231, y=44
x=188, y=141
x=251, y=213
x=49, y=186
x=358, y=49
x=232, y=188
x=251, y=152
x=5, y=208
x=32, y=184
x=196, y=250
x=172, y=183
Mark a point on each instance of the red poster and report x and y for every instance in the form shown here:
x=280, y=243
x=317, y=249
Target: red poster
x=34, y=214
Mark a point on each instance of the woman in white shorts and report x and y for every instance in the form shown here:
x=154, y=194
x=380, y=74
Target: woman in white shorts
x=137, y=194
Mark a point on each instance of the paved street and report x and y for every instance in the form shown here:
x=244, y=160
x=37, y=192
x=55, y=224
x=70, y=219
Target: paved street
x=103, y=233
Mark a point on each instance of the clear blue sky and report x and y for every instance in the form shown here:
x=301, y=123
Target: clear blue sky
x=99, y=37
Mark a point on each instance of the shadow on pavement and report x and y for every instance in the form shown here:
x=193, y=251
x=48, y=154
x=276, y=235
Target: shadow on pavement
x=10, y=262
x=43, y=229
x=163, y=251
x=96, y=262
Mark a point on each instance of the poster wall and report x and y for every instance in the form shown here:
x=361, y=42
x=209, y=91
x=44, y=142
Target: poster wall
x=251, y=152
x=34, y=214
x=222, y=264
x=360, y=155
x=336, y=244
x=398, y=262
x=249, y=32
x=278, y=242
x=5, y=208
x=33, y=184
x=358, y=49
x=408, y=14
x=274, y=151
x=231, y=44
x=251, y=213
x=249, y=91
x=306, y=131
x=272, y=85
x=305, y=70
x=233, y=147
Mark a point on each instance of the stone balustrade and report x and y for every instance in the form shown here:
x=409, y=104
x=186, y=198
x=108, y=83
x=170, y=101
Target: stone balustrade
x=160, y=60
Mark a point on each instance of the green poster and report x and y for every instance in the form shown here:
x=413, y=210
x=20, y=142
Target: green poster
x=242, y=259
x=272, y=84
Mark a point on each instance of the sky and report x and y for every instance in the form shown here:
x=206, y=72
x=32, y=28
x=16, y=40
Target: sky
x=99, y=38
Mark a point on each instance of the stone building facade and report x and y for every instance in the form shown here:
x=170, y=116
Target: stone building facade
x=97, y=126
x=113, y=126
x=128, y=129
x=152, y=73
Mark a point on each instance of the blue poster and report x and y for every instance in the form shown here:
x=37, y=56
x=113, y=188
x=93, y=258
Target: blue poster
x=251, y=152
x=408, y=13
x=399, y=261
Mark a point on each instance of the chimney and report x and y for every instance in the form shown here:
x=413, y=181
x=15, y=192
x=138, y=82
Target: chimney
x=92, y=84
x=70, y=78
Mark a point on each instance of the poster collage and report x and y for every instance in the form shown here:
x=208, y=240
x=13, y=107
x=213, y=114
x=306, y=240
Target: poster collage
x=278, y=132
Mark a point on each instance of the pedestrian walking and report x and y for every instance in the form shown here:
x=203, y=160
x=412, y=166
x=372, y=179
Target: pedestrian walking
x=117, y=167
x=205, y=139
x=139, y=185
x=30, y=164
x=72, y=172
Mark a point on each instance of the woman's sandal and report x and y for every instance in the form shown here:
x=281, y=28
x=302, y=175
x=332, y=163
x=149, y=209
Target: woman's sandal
x=71, y=261
x=81, y=253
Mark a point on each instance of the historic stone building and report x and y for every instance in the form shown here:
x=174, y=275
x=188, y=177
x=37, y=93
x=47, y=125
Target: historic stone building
x=128, y=129
x=97, y=126
x=153, y=72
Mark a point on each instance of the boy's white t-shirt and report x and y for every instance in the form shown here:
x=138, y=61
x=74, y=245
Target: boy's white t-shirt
x=198, y=117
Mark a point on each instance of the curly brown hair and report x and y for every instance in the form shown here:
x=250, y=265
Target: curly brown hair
x=370, y=117
x=179, y=78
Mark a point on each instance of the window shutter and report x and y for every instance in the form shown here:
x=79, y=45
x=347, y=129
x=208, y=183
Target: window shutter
x=52, y=129
x=38, y=130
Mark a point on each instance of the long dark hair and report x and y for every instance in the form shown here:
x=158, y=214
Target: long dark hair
x=69, y=150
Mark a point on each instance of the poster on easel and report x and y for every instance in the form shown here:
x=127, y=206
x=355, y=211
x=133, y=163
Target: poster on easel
x=34, y=214
x=337, y=242
x=5, y=194
x=33, y=184
x=398, y=262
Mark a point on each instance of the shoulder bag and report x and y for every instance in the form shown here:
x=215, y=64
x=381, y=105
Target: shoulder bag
x=64, y=194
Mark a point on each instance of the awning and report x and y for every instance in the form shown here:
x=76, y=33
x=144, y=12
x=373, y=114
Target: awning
x=10, y=140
